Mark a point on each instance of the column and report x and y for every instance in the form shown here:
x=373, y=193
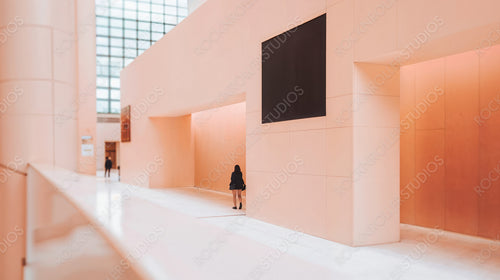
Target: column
x=39, y=101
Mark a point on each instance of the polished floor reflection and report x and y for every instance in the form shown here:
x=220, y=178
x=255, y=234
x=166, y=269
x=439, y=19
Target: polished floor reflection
x=188, y=233
x=113, y=175
x=80, y=255
x=422, y=253
x=200, y=203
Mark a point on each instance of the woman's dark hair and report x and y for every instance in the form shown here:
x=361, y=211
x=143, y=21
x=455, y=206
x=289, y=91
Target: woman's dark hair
x=237, y=169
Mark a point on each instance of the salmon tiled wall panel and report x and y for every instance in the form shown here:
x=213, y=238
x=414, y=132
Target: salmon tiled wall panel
x=489, y=144
x=429, y=184
x=460, y=189
x=462, y=149
x=407, y=155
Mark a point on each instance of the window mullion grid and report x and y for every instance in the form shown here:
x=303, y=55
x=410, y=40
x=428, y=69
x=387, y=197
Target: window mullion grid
x=110, y=75
x=164, y=16
x=150, y=23
x=137, y=31
x=109, y=59
x=123, y=46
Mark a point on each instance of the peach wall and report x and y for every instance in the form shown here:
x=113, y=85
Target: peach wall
x=176, y=141
x=213, y=59
x=12, y=225
x=285, y=161
x=236, y=54
x=376, y=154
x=161, y=153
x=451, y=127
x=219, y=136
x=86, y=80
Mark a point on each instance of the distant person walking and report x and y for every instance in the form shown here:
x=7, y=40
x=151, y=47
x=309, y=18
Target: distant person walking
x=237, y=185
x=108, y=166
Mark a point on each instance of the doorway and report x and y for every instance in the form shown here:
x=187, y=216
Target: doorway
x=111, y=152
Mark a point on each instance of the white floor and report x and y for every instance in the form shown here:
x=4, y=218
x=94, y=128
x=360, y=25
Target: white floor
x=422, y=253
x=218, y=237
x=113, y=175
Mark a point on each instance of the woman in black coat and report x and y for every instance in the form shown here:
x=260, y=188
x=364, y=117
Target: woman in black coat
x=236, y=185
x=107, y=166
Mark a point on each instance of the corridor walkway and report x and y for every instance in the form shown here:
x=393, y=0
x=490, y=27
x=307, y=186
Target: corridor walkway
x=194, y=234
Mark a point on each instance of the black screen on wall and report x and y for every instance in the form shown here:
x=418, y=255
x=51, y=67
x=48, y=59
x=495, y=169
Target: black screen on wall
x=294, y=73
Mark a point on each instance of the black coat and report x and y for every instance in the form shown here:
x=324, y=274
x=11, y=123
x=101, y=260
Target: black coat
x=236, y=181
x=108, y=164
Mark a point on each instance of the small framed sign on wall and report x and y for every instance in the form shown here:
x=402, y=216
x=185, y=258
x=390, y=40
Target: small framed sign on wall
x=125, y=124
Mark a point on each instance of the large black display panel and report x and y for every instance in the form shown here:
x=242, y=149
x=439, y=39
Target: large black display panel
x=294, y=73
